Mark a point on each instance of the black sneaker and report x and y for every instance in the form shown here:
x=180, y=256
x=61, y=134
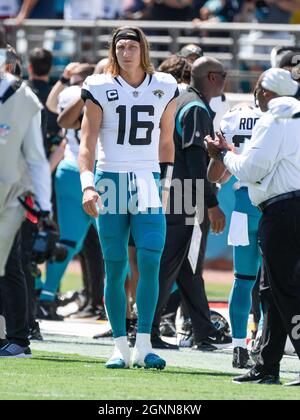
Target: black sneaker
x=89, y=311
x=35, y=333
x=219, y=340
x=241, y=359
x=47, y=310
x=106, y=334
x=204, y=347
x=64, y=299
x=158, y=343
x=294, y=383
x=15, y=351
x=256, y=376
x=3, y=342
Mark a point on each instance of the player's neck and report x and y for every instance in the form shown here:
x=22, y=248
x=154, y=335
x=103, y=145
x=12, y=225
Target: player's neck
x=133, y=78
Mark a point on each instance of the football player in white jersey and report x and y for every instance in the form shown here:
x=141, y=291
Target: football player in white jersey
x=237, y=126
x=131, y=108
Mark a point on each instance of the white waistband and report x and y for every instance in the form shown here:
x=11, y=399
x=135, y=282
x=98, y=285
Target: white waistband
x=151, y=166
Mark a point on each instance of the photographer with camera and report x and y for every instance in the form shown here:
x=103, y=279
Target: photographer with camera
x=24, y=170
x=39, y=67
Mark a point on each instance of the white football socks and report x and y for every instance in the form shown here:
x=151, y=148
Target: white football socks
x=142, y=348
x=121, y=350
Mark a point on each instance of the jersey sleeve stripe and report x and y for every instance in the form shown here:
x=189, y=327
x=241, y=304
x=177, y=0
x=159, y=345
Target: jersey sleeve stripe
x=174, y=96
x=85, y=94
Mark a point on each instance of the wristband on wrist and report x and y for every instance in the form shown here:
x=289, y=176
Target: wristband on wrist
x=222, y=154
x=64, y=80
x=87, y=180
x=166, y=173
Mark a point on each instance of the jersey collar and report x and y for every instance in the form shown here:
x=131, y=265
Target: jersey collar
x=134, y=92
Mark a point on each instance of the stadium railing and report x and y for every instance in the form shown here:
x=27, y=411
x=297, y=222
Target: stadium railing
x=240, y=46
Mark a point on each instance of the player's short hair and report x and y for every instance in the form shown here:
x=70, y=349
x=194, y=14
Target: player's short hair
x=113, y=66
x=178, y=67
x=41, y=61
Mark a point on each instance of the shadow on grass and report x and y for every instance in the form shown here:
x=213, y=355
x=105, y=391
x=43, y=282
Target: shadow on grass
x=203, y=373
x=97, y=342
x=197, y=372
x=59, y=359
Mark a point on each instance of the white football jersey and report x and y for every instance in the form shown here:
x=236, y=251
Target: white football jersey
x=130, y=129
x=220, y=106
x=67, y=97
x=237, y=126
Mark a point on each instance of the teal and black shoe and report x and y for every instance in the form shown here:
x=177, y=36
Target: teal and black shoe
x=151, y=361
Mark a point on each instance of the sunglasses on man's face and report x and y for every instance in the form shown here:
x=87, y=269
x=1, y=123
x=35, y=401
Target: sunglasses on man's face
x=258, y=90
x=223, y=74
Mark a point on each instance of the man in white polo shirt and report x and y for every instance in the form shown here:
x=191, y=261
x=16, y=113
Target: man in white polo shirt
x=271, y=168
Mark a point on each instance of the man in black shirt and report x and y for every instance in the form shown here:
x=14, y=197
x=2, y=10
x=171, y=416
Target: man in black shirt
x=40, y=62
x=194, y=120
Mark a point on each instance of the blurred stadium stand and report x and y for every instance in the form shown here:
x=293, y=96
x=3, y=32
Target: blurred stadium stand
x=235, y=44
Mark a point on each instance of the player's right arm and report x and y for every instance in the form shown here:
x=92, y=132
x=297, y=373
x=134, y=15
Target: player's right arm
x=90, y=127
x=59, y=86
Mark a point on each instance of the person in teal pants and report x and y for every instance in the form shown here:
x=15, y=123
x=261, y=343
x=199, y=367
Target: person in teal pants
x=131, y=109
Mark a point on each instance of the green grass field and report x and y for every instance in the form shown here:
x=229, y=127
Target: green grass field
x=52, y=376
x=214, y=291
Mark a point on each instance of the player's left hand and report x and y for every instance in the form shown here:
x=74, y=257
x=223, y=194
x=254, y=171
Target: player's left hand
x=217, y=219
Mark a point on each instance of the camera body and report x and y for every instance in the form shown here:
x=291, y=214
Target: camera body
x=42, y=235
x=46, y=246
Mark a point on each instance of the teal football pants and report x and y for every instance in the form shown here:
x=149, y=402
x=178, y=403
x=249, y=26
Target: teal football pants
x=246, y=261
x=148, y=231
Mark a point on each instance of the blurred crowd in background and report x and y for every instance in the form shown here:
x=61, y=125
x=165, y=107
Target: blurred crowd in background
x=262, y=11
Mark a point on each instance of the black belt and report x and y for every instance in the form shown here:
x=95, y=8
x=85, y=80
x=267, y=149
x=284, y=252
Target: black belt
x=286, y=196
